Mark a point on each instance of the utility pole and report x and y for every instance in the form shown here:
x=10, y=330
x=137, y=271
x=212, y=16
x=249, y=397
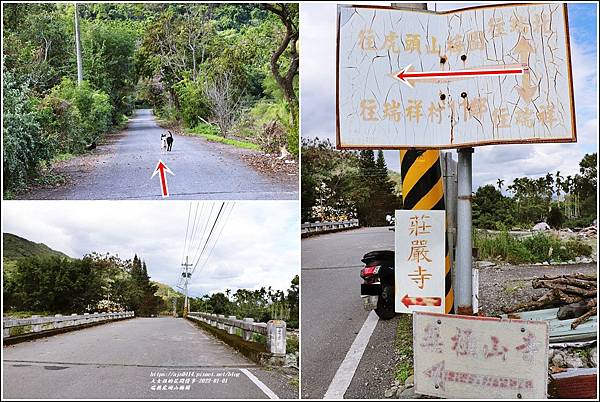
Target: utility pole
x=186, y=275
x=78, y=48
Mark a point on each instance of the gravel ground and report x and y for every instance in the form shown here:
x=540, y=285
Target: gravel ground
x=505, y=285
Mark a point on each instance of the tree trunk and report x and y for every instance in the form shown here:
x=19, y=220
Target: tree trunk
x=285, y=81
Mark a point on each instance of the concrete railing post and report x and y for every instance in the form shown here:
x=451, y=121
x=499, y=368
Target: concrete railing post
x=276, y=337
x=36, y=326
x=231, y=328
x=59, y=323
x=248, y=333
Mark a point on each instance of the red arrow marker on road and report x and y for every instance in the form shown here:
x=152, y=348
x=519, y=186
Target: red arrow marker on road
x=404, y=75
x=421, y=301
x=161, y=167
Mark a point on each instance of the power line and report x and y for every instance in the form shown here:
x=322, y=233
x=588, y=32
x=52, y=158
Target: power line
x=218, y=237
x=187, y=227
x=209, y=235
x=194, y=228
x=205, y=226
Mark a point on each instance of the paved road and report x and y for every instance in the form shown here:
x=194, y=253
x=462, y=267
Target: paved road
x=126, y=359
x=332, y=313
x=203, y=170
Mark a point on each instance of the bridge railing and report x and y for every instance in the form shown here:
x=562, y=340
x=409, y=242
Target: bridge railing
x=274, y=330
x=15, y=327
x=307, y=228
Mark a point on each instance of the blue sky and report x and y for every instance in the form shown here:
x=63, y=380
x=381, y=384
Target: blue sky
x=258, y=246
x=317, y=39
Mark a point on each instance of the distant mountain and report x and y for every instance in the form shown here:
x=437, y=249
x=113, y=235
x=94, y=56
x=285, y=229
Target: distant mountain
x=16, y=247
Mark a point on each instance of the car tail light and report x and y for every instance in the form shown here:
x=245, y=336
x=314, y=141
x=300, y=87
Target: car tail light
x=369, y=271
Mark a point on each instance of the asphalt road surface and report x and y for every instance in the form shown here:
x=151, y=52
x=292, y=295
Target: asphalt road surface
x=127, y=359
x=332, y=314
x=203, y=170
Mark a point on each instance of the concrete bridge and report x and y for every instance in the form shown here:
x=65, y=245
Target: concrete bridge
x=137, y=358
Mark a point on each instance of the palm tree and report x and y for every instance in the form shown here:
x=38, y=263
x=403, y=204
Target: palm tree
x=500, y=183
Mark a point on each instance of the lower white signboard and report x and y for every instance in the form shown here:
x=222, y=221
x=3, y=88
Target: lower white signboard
x=420, y=260
x=478, y=357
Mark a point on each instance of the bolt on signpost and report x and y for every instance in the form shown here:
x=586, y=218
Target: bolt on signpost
x=422, y=81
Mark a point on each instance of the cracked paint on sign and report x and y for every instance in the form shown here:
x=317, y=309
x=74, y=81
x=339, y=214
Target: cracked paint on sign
x=377, y=109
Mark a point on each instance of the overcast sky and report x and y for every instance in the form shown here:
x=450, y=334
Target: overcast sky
x=318, y=50
x=259, y=244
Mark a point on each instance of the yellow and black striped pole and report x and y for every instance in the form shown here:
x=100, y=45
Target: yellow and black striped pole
x=423, y=189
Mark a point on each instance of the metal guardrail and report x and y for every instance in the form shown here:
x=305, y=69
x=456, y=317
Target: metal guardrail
x=274, y=330
x=12, y=327
x=327, y=226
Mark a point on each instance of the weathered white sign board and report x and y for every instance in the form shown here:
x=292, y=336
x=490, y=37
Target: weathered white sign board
x=482, y=75
x=420, y=260
x=476, y=357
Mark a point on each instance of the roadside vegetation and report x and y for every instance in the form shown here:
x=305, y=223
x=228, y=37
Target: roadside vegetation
x=562, y=202
x=228, y=73
x=95, y=283
x=404, y=348
x=340, y=185
x=262, y=304
x=233, y=68
x=538, y=248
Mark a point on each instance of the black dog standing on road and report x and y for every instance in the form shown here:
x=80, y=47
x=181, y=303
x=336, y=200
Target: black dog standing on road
x=169, y=141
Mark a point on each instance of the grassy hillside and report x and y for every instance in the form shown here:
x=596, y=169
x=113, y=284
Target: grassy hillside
x=16, y=247
x=166, y=292
x=396, y=178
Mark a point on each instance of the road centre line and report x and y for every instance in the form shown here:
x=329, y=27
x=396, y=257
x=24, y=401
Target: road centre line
x=343, y=377
x=259, y=384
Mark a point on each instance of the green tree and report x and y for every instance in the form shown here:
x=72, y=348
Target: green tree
x=491, y=209
x=555, y=217
x=56, y=284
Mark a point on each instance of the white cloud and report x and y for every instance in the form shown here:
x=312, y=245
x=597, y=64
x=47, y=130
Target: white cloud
x=259, y=246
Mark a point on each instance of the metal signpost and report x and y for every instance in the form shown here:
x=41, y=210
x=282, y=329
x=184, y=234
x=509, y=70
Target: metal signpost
x=474, y=357
x=417, y=79
x=420, y=260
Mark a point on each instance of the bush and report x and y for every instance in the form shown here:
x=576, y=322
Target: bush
x=555, y=217
x=25, y=146
x=76, y=115
x=193, y=102
x=167, y=112
x=538, y=248
x=205, y=129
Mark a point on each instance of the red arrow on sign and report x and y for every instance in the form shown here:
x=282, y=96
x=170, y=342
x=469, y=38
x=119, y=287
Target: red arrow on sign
x=161, y=167
x=439, y=376
x=404, y=75
x=421, y=301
